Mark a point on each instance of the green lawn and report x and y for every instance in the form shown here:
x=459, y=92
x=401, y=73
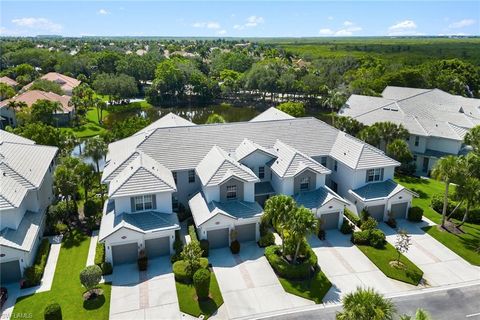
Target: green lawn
x=66, y=288
x=465, y=245
x=314, y=289
x=187, y=299
x=382, y=257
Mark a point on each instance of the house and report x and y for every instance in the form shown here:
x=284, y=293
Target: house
x=66, y=83
x=223, y=173
x=8, y=81
x=26, y=182
x=62, y=116
x=436, y=120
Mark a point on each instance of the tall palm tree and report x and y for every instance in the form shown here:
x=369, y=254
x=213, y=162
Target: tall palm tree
x=301, y=224
x=366, y=304
x=390, y=131
x=446, y=169
x=334, y=101
x=370, y=135
x=468, y=190
x=277, y=211
x=96, y=148
x=472, y=138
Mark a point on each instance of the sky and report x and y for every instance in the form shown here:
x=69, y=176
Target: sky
x=239, y=18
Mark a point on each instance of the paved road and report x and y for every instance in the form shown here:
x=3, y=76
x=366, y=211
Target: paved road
x=451, y=304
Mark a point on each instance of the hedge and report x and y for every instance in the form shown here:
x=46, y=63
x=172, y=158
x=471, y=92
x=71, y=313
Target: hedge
x=284, y=269
x=100, y=254
x=193, y=233
x=352, y=217
x=437, y=205
x=180, y=273
x=34, y=273
x=415, y=214
x=346, y=227
x=370, y=237
x=201, y=282
x=267, y=240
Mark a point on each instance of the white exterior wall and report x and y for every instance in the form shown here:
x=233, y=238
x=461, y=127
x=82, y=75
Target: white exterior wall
x=185, y=189
x=249, y=191
x=320, y=181
x=329, y=207
x=422, y=143
x=258, y=159
x=222, y=222
x=400, y=197
x=164, y=203
x=11, y=218
x=444, y=145
x=344, y=177
x=282, y=186
x=212, y=193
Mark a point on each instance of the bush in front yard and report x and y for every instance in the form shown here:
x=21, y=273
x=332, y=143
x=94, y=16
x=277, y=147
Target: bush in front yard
x=201, y=282
x=99, y=253
x=415, y=214
x=106, y=268
x=180, y=273
x=361, y=237
x=303, y=270
x=53, y=311
x=346, y=227
x=33, y=274
x=90, y=276
x=235, y=247
x=142, y=261
x=205, y=246
x=376, y=238
x=352, y=217
x=192, y=233
x=369, y=224
x=266, y=240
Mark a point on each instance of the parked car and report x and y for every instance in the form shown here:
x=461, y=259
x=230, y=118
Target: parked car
x=3, y=296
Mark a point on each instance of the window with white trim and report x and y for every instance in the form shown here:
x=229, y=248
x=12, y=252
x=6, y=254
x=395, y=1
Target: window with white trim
x=304, y=183
x=261, y=172
x=232, y=192
x=374, y=175
x=143, y=202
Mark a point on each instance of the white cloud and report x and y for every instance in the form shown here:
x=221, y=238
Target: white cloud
x=330, y=18
x=347, y=23
x=103, y=12
x=222, y=32
x=326, y=32
x=40, y=24
x=462, y=23
x=251, y=22
x=406, y=27
x=207, y=24
x=349, y=30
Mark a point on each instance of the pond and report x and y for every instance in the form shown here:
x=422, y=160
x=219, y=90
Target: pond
x=78, y=153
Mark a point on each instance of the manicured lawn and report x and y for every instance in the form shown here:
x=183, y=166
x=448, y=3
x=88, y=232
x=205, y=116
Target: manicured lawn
x=87, y=130
x=66, y=288
x=313, y=289
x=382, y=257
x=92, y=115
x=187, y=299
x=465, y=245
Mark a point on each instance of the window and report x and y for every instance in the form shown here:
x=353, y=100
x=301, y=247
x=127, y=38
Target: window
x=143, y=203
x=174, y=177
x=417, y=141
x=304, y=183
x=261, y=172
x=335, y=165
x=374, y=175
x=191, y=176
x=323, y=161
x=231, y=192
x=174, y=202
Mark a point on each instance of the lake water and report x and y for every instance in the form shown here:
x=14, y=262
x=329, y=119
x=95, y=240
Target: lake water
x=78, y=153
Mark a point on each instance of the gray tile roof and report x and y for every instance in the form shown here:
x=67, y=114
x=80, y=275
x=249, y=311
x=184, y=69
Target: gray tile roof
x=143, y=175
x=6, y=136
x=379, y=190
x=272, y=114
x=317, y=198
x=169, y=120
x=24, y=237
x=247, y=147
x=218, y=166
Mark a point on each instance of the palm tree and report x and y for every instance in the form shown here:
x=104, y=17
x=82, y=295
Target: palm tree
x=446, y=169
x=366, y=304
x=419, y=315
x=334, y=101
x=277, y=211
x=472, y=138
x=301, y=224
x=370, y=135
x=390, y=131
x=96, y=148
x=468, y=190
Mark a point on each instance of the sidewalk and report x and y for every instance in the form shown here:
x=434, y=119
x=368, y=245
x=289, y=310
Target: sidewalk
x=92, y=248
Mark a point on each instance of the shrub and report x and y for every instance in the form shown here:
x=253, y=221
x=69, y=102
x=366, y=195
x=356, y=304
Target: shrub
x=191, y=255
x=352, y=217
x=92, y=208
x=266, y=240
x=263, y=228
x=376, y=238
x=53, y=311
x=302, y=270
x=90, y=276
x=201, y=282
x=106, y=268
x=177, y=244
x=415, y=214
x=34, y=273
x=235, y=247
x=369, y=224
x=204, y=245
x=100, y=253
x=361, y=237
x=142, y=261
x=346, y=227
x=364, y=215
x=437, y=203
x=180, y=273
x=192, y=233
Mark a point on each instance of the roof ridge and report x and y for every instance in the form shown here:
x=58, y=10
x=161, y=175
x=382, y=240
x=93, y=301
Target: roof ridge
x=19, y=174
x=415, y=95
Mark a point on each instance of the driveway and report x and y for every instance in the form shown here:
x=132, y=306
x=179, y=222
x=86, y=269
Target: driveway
x=144, y=295
x=248, y=284
x=440, y=265
x=348, y=268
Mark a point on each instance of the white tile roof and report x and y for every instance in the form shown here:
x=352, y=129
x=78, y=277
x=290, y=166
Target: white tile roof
x=169, y=120
x=6, y=136
x=143, y=175
x=218, y=166
x=247, y=147
x=291, y=162
x=24, y=237
x=426, y=112
x=272, y=114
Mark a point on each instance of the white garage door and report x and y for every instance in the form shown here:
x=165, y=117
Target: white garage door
x=246, y=232
x=10, y=271
x=125, y=253
x=218, y=238
x=376, y=212
x=330, y=220
x=157, y=247
x=399, y=210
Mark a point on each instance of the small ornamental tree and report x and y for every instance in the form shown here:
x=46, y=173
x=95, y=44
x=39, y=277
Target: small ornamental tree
x=201, y=281
x=402, y=243
x=53, y=311
x=191, y=254
x=90, y=277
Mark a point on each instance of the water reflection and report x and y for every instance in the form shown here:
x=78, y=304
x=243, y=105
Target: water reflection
x=78, y=153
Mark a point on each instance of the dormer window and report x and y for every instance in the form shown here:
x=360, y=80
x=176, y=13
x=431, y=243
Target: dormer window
x=304, y=184
x=374, y=175
x=261, y=172
x=232, y=192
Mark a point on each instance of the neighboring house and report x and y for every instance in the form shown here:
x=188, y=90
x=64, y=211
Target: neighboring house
x=272, y=113
x=26, y=190
x=62, y=116
x=66, y=83
x=8, y=81
x=437, y=121
x=225, y=172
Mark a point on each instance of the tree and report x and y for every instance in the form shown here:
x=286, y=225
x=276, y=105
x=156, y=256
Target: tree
x=86, y=177
x=370, y=135
x=90, y=277
x=366, y=304
x=201, y=282
x=402, y=243
x=468, y=185
x=43, y=110
x=348, y=125
x=42, y=134
x=65, y=179
x=6, y=91
x=96, y=148
x=301, y=224
x=390, y=131
x=420, y=314
x=472, y=138
x=334, y=100
x=398, y=149
x=295, y=109
x=446, y=169
x=115, y=86
x=277, y=211
x=47, y=86
x=191, y=255
x=215, y=118
x=127, y=127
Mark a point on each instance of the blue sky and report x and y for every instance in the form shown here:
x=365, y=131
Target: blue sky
x=239, y=19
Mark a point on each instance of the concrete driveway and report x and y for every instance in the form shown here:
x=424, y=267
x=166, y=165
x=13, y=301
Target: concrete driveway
x=248, y=284
x=440, y=265
x=348, y=268
x=144, y=295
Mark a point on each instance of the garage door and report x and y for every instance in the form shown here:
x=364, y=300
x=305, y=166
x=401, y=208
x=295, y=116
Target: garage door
x=157, y=247
x=376, y=212
x=218, y=238
x=399, y=210
x=125, y=253
x=330, y=220
x=246, y=232
x=10, y=271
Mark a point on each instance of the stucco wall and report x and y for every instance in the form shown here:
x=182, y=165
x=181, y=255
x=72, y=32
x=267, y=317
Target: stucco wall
x=444, y=145
x=185, y=189
x=258, y=159
x=232, y=182
x=164, y=203
x=310, y=175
